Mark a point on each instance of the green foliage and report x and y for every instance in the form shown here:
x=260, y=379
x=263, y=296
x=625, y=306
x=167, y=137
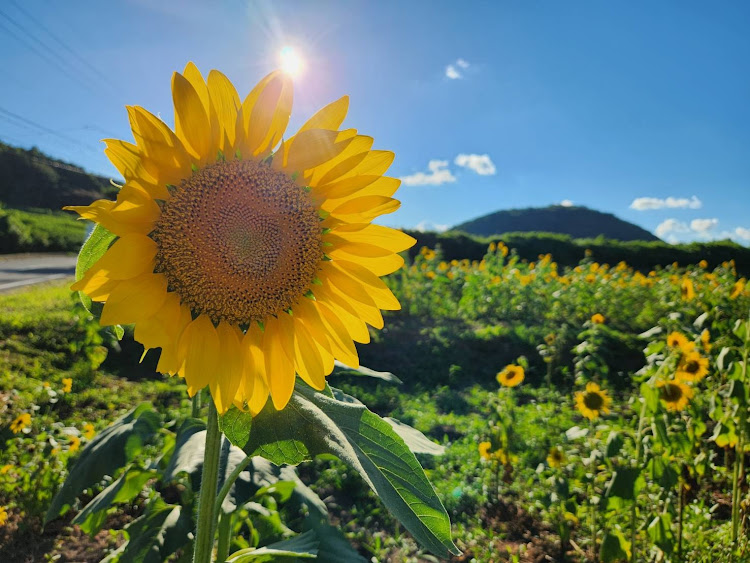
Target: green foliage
x=39, y=230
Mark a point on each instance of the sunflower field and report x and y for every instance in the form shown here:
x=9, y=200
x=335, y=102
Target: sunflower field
x=592, y=413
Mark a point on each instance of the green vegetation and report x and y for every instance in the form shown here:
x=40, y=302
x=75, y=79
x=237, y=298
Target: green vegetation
x=31, y=179
x=669, y=478
x=577, y=222
x=39, y=230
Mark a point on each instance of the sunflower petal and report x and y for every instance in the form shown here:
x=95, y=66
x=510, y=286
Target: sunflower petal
x=199, y=346
x=365, y=209
x=374, y=286
x=228, y=374
x=135, y=299
x=269, y=115
x=328, y=117
x=130, y=256
x=376, y=235
x=307, y=360
x=226, y=102
x=278, y=342
x=190, y=118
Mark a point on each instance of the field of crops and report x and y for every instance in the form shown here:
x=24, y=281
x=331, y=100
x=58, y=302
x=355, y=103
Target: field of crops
x=593, y=413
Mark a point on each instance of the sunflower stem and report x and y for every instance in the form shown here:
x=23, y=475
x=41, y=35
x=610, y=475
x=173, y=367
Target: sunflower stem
x=196, y=412
x=634, y=506
x=739, y=457
x=225, y=537
x=206, y=518
x=229, y=482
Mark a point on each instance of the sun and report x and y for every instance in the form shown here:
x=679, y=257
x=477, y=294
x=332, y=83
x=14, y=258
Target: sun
x=291, y=62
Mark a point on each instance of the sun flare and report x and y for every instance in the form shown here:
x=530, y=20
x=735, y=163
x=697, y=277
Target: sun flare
x=291, y=61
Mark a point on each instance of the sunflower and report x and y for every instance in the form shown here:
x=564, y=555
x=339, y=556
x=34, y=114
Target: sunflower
x=3, y=516
x=679, y=340
x=706, y=340
x=89, y=431
x=20, y=422
x=511, y=376
x=737, y=289
x=593, y=401
x=556, y=457
x=67, y=384
x=597, y=319
x=675, y=394
x=687, y=290
x=484, y=450
x=75, y=444
x=692, y=367
x=245, y=258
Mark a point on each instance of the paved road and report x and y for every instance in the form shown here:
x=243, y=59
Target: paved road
x=17, y=270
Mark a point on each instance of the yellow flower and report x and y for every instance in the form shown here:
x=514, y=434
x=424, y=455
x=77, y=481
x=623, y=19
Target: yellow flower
x=556, y=457
x=593, y=401
x=511, y=376
x=20, y=422
x=597, y=319
x=692, y=367
x=484, y=450
x=89, y=431
x=67, y=384
x=492, y=247
x=687, y=290
x=246, y=255
x=678, y=340
x=427, y=253
x=675, y=394
x=706, y=340
x=75, y=443
x=703, y=264
x=504, y=250
x=45, y=384
x=5, y=468
x=737, y=289
x=3, y=516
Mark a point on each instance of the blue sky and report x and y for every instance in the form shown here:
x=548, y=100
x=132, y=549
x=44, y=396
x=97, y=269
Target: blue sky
x=638, y=109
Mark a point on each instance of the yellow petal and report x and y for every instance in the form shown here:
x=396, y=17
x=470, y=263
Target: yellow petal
x=365, y=209
x=346, y=311
x=310, y=148
x=133, y=212
x=130, y=256
x=376, y=163
x=97, y=287
x=267, y=112
x=128, y=160
x=278, y=343
x=199, y=346
x=378, y=265
x=360, y=144
x=307, y=360
x=226, y=102
x=163, y=151
x=228, y=373
x=329, y=117
x=170, y=360
x=335, y=332
x=190, y=118
x=154, y=332
x=376, y=235
x=135, y=299
x=374, y=286
x=355, y=295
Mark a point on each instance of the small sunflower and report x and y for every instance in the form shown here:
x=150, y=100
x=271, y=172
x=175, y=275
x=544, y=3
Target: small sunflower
x=511, y=376
x=3, y=516
x=687, y=290
x=597, y=319
x=484, y=450
x=556, y=457
x=592, y=402
x=75, y=444
x=737, y=289
x=89, y=431
x=692, y=367
x=67, y=384
x=703, y=264
x=706, y=340
x=247, y=257
x=675, y=394
x=20, y=422
x=679, y=340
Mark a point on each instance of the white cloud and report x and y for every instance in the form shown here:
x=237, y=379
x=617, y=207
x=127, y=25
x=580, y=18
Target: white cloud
x=566, y=203
x=742, y=233
x=429, y=226
x=703, y=225
x=452, y=70
x=644, y=203
x=671, y=227
x=479, y=163
x=438, y=174
x=452, y=73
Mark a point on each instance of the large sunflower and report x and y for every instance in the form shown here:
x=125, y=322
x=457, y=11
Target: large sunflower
x=692, y=367
x=675, y=394
x=592, y=402
x=244, y=258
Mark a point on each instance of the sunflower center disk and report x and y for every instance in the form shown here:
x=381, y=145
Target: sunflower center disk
x=671, y=393
x=239, y=241
x=593, y=401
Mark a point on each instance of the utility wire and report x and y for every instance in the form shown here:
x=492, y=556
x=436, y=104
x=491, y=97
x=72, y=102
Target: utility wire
x=43, y=128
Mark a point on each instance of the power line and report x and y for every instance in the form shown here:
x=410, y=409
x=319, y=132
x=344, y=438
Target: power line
x=43, y=128
x=88, y=65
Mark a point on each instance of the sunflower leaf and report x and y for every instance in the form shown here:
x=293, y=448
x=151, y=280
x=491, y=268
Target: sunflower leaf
x=303, y=546
x=94, y=248
x=341, y=369
x=316, y=423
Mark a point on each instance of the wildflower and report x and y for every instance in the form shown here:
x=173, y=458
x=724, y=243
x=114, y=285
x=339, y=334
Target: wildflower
x=597, y=319
x=45, y=384
x=737, y=289
x=687, y=290
x=20, y=422
x=244, y=265
x=675, y=394
x=427, y=253
x=511, y=376
x=67, y=384
x=503, y=249
x=75, y=444
x=692, y=367
x=556, y=457
x=89, y=431
x=592, y=402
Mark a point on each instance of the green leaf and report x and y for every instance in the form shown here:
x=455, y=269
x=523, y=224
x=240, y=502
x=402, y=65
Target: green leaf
x=152, y=538
x=341, y=369
x=740, y=329
x=333, y=546
x=95, y=246
x=109, y=451
x=418, y=443
x=651, y=396
x=660, y=532
x=235, y=425
x=121, y=490
x=613, y=548
x=659, y=428
x=314, y=423
x=614, y=444
x=303, y=546
x=622, y=484
x=722, y=356
x=663, y=472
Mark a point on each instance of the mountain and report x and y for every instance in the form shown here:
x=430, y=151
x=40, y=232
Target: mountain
x=30, y=178
x=577, y=222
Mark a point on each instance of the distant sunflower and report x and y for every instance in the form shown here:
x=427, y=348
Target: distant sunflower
x=3, y=516
x=484, y=450
x=687, y=289
x=592, y=402
x=246, y=263
x=20, y=422
x=511, y=376
x=706, y=340
x=679, y=340
x=737, y=289
x=556, y=457
x=597, y=319
x=675, y=394
x=692, y=367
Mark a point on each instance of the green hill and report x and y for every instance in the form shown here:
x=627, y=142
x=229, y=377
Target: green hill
x=31, y=179
x=577, y=222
